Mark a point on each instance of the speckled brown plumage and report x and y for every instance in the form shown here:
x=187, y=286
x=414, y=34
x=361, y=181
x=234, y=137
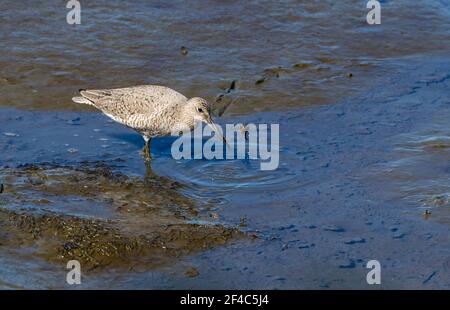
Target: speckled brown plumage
x=149, y=109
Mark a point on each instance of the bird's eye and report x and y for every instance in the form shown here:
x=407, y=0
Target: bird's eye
x=200, y=110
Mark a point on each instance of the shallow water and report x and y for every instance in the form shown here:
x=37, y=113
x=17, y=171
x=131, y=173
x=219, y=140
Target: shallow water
x=364, y=170
x=420, y=167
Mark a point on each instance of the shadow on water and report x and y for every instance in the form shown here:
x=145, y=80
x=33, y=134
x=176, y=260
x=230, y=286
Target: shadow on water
x=131, y=138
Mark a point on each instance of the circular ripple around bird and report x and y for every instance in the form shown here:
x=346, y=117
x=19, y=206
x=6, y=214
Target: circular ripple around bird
x=225, y=175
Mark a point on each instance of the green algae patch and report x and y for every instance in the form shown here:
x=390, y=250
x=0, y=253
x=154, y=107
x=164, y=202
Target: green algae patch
x=102, y=218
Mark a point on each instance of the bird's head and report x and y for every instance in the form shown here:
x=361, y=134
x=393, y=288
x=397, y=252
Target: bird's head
x=199, y=109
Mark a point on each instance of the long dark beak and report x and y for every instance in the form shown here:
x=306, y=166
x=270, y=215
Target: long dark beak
x=216, y=130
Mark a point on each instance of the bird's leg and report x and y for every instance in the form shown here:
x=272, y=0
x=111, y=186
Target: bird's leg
x=145, y=153
x=148, y=172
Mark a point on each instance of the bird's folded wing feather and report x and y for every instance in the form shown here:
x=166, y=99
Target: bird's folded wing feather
x=121, y=103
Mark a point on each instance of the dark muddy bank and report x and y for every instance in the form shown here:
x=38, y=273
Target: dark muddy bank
x=366, y=178
x=100, y=218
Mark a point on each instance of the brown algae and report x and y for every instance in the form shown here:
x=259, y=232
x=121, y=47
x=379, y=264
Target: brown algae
x=145, y=222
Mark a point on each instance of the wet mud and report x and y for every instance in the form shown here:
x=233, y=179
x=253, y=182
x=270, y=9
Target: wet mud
x=144, y=222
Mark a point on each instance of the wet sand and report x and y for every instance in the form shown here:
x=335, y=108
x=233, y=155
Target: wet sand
x=354, y=180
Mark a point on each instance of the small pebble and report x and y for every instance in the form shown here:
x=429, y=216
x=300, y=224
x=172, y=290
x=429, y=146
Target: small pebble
x=191, y=272
x=260, y=81
x=184, y=51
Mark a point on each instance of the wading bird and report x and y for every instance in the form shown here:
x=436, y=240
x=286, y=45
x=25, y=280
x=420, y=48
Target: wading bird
x=151, y=110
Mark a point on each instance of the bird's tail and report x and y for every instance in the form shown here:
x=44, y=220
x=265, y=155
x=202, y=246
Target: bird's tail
x=82, y=100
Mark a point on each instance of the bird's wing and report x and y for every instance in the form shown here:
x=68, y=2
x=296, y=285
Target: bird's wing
x=121, y=103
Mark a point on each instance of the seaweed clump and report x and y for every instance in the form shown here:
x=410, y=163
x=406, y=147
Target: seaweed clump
x=98, y=243
x=147, y=223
